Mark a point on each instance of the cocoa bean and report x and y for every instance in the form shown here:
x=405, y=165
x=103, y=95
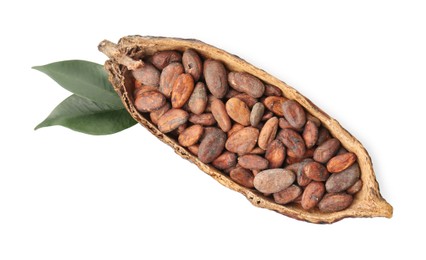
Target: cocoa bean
x=215, y=76
x=335, y=202
x=197, y=103
x=149, y=101
x=253, y=162
x=238, y=111
x=294, y=113
x=341, y=181
x=273, y=180
x=162, y=59
x=192, y=64
x=206, y=119
x=256, y=114
x=293, y=141
x=168, y=77
x=341, y=162
x=147, y=75
x=182, y=90
x=271, y=90
x=287, y=195
x=225, y=161
x=275, y=154
x=310, y=134
x=242, y=176
x=326, y=150
x=212, y=145
x=242, y=141
x=275, y=104
x=312, y=194
x=268, y=133
x=190, y=135
x=315, y=171
x=219, y=113
x=246, y=83
x=172, y=119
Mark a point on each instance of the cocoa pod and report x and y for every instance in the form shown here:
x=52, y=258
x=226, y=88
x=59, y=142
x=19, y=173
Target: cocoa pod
x=212, y=145
x=369, y=203
x=334, y=202
x=192, y=64
x=273, y=180
x=215, y=76
x=243, y=141
x=246, y=83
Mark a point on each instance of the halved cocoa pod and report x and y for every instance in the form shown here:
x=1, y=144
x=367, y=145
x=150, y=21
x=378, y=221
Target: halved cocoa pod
x=366, y=203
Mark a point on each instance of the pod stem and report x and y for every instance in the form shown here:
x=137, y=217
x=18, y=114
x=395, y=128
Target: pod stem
x=114, y=53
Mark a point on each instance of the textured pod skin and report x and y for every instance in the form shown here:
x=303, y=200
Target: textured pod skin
x=367, y=202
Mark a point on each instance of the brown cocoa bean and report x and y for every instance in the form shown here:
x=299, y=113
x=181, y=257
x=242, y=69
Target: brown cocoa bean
x=268, y=133
x=215, y=76
x=287, y=195
x=206, y=119
x=253, y=162
x=256, y=113
x=301, y=177
x=149, y=101
x=211, y=145
x=323, y=135
x=182, y=90
x=294, y=113
x=341, y=162
x=190, y=135
x=246, y=83
x=242, y=176
x=355, y=188
x=310, y=134
x=197, y=103
x=168, y=77
x=273, y=180
x=267, y=115
x=172, y=119
x=312, y=194
x=326, y=150
x=141, y=89
x=238, y=111
x=257, y=150
x=315, y=171
x=194, y=149
x=219, y=113
x=232, y=93
x=275, y=104
x=235, y=128
x=147, y=75
x=225, y=161
x=271, y=90
x=284, y=124
x=313, y=119
x=341, y=181
x=192, y=64
x=161, y=59
x=247, y=99
x=275, y=154
x=293, y=141
x=243, y=141
x=156, y=114
x=335, y=202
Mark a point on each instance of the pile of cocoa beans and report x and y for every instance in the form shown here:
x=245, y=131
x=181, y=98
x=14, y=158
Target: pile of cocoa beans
x=247, y=129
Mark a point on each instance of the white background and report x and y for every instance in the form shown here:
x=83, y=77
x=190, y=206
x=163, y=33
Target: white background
x=66, y=195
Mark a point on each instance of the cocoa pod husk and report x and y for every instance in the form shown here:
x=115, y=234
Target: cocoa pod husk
x=368, y=202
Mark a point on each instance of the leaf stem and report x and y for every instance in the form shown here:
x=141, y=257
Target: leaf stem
x=113, y=52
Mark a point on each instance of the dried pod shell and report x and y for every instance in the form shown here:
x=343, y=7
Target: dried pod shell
x=367, y=203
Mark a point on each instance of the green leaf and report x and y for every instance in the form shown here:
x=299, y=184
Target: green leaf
x=87, y=116
x=84, y=78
